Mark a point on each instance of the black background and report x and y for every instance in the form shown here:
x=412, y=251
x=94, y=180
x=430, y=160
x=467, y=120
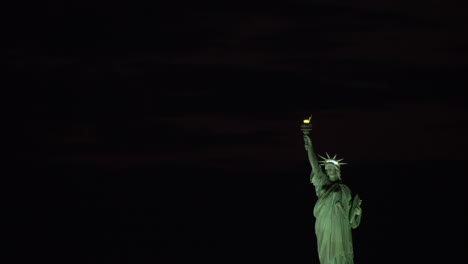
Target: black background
x=169, y=132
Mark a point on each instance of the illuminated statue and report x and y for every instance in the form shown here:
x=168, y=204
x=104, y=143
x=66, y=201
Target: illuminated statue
x=335, y=211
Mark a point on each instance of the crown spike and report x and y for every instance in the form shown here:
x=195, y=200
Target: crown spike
x=334, y=157
x=327, y=155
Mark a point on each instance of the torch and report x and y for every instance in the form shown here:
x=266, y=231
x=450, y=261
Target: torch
x=306, y=126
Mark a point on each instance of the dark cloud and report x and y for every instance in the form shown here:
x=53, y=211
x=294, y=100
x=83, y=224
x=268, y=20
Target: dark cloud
x=405, y=132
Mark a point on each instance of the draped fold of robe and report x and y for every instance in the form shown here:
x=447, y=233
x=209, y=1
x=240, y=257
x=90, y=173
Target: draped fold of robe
x=333, y=223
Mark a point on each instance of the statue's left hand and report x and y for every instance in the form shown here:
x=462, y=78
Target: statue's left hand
x=358, y=210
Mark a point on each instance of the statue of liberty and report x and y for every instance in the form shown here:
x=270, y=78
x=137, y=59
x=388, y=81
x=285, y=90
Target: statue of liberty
x=336, y=213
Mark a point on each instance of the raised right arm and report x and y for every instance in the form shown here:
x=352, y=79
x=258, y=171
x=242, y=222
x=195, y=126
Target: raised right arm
x=311, y=154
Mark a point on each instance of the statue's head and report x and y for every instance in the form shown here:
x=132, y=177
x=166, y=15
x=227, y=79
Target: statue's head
x=332, y=167
x=333, y=172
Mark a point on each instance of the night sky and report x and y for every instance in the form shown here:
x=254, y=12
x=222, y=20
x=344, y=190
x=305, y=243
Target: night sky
x=169, y=132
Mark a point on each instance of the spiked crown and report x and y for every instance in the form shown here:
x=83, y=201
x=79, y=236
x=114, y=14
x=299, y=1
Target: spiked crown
x=331, y=161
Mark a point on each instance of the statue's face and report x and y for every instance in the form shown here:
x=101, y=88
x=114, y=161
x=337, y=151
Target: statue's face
x=332, y=173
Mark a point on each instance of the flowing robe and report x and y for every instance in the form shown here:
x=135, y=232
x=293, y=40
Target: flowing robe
x=333, y=223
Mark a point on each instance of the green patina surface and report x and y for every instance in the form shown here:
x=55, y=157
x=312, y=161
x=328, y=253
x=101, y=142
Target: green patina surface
x=336, y=212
